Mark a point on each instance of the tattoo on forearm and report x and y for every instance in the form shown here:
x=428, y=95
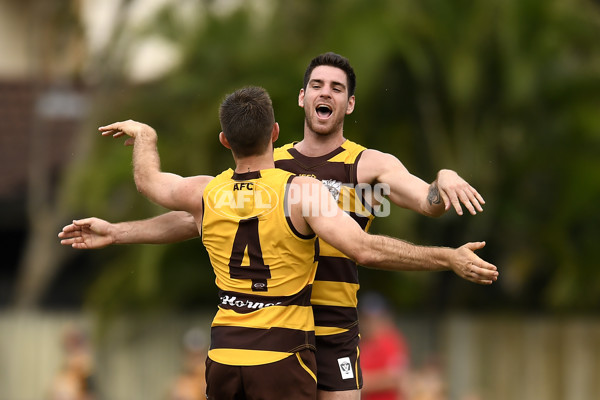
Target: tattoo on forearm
x=434, y=195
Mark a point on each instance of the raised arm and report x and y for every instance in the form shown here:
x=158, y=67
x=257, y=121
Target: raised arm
x=410, y=191
x=313, y=209
x=95, y=233
x=168, y=190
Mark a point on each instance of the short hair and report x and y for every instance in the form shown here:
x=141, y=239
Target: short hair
x=247, y=120
x=333, y=60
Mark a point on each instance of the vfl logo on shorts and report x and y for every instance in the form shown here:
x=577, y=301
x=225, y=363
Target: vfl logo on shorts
x=345, y=368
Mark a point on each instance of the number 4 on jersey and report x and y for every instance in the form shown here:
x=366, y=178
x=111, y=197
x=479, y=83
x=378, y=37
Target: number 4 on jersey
x=247, y=237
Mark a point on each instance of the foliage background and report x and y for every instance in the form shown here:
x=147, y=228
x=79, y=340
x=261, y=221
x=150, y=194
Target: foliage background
x=505, y=92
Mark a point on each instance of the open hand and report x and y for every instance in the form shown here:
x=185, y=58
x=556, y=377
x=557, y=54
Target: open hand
x=130, y=128
x=87, y=233
x=469, y=266
x=454, y=190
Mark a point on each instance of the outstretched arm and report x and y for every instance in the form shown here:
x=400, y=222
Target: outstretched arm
x=320, y=214
x=410, y=191
x=168, y=190
x=95, y=233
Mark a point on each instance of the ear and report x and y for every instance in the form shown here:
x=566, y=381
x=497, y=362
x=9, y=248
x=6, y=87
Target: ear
x=275, y=133
x=301, y=98
x=350, y=106
x=224, y=141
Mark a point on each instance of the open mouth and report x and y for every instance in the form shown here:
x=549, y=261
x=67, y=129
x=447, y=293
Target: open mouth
x=324, y=111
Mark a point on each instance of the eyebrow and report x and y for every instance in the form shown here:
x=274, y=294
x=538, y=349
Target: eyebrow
x=333, y=83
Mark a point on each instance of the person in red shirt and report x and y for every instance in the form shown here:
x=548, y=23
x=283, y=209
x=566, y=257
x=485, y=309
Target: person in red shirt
x=384, y=353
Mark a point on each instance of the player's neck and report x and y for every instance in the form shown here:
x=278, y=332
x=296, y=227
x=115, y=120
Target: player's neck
x=315, y=145
x=254, y=163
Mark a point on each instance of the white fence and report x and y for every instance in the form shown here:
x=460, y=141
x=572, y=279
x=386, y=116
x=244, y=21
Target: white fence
x=502, y=358
x=134, y=360
x=523, y=358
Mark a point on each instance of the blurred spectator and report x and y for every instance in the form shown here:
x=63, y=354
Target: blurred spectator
x=428, y=382
x=74, y=380
x=384, y=355
x=191, y=383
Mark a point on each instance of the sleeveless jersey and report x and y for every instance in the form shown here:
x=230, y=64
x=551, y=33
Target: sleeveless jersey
x=264, y=269
x=334, y=295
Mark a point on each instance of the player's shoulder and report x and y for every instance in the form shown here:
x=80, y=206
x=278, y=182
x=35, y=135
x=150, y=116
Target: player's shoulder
x=225, y=175
x=351, y=152
x=356, y=148
x=276, y=174
x=353, y=148
x=282, y=152
x=377, y=159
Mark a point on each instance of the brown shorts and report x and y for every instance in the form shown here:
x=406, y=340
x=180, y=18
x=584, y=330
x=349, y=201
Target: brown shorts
x=338, y=361
x=286, y=379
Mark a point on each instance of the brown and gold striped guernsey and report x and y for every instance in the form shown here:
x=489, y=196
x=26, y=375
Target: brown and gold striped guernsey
x=264, y=269
x=334, y=295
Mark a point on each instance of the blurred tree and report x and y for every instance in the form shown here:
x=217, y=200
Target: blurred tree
x=57, y=54
x=504, y=92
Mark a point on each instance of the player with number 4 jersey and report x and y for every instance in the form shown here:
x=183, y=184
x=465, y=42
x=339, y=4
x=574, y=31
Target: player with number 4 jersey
x=264, y=269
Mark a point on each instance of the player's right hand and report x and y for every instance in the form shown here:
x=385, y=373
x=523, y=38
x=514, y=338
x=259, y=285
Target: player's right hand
x=87, y=233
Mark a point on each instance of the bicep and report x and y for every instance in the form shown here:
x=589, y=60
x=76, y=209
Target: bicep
x=405, y=189
x=181, y=194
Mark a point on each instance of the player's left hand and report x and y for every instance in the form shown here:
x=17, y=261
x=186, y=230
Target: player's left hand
x=454, y=190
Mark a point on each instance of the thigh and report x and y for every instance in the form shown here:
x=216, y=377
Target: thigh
x=338, y=361
x=223, y=382
x=339, y=395
x=292, y=378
